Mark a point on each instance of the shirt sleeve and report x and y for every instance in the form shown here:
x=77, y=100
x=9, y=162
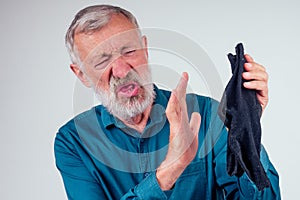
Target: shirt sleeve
x=80, y=184
x=248, y=189
x=242, y=187
x=147, y=189
x=78, y=181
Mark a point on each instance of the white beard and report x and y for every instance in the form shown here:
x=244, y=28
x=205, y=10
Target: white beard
x=127, y=108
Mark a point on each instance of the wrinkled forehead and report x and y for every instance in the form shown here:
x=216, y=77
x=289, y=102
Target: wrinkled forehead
x=117, y=31
x=114, y=43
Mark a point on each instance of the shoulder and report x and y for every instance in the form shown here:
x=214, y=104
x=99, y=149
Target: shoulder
x=70, y=125
x=69, y=131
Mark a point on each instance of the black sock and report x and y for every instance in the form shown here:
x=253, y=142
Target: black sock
x=240, y=111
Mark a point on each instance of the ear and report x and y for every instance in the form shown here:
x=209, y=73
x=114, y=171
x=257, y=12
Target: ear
x=145, y=44
x=80, y=75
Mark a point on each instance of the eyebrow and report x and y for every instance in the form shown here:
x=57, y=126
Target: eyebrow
x=99, y=56
x=104, y=54
x=125, y=47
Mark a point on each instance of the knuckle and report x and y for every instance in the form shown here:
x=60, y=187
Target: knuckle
x=266, y=76
x=264, y=85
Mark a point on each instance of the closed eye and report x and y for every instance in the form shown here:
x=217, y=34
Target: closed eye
x=129, y=52
x=102, y=63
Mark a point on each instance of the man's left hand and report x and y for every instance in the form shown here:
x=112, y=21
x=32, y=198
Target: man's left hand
x=256, y=78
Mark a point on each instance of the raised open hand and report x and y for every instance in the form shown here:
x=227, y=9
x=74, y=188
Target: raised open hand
x=183, y=144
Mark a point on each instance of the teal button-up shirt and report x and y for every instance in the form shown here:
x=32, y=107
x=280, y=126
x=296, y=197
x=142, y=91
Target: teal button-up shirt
x=100, y=158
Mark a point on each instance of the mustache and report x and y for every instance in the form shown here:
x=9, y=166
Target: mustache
x=130, y=77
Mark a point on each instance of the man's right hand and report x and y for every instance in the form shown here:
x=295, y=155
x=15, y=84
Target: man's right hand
x=183, y=144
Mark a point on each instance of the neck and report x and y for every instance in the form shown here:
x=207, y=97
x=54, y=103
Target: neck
x=139, y=122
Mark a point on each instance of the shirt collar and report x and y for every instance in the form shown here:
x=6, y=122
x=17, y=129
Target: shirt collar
x=106, y=117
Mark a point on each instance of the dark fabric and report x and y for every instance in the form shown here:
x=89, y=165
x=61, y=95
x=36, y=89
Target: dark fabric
x=240, y=111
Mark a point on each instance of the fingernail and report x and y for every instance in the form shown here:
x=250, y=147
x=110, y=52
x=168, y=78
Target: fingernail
x=246, y=84
x=248, y=65
x=185, y=75
x=246, y=74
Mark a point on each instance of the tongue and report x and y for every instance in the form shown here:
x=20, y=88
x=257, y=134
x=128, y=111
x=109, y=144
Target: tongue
x=128, y=90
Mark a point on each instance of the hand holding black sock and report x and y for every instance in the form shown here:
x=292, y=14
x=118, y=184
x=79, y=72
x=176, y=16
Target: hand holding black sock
x=240, y=111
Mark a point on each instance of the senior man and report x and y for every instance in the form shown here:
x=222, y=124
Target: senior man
x=143, y=142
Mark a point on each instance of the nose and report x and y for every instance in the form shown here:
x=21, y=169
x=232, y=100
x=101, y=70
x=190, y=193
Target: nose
x=120, y=67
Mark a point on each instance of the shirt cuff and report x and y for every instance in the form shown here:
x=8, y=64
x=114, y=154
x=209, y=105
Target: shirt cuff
x=149, y=188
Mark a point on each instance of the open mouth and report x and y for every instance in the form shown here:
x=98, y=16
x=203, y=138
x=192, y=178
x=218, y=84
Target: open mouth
x=129, y=89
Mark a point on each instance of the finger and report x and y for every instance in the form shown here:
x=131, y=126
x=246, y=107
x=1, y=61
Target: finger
x=253, y=66
x=248, y=58
x=173, y=107
x=181, y=86
x=256, y=85
x=262, y=100
x=256, y=75
x=195, y=122
x=261, y=91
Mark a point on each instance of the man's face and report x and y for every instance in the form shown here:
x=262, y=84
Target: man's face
x=114, y=62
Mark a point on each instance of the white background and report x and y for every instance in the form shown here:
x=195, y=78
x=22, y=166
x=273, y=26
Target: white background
x=37, y=85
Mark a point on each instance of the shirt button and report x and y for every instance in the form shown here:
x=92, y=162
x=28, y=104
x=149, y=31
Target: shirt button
x=142, y=140
x=146, y=174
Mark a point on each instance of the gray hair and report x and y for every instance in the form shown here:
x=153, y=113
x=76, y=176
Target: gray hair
x=89, y=20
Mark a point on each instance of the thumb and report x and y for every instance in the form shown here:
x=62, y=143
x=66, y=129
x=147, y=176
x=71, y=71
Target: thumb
x=195, y=122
